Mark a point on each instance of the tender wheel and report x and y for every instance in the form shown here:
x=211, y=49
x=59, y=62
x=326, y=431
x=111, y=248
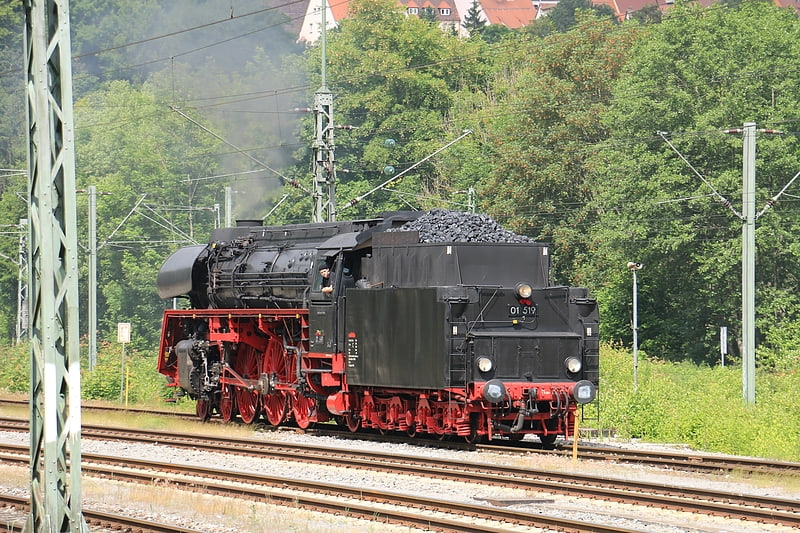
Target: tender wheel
x=548, y=440
x=304, y=409
x=352, y=422
x=247, y=401
x=203, y=409
x=227, y=404
x=276, y=408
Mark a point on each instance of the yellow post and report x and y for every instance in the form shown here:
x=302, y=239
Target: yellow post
x=575, y=441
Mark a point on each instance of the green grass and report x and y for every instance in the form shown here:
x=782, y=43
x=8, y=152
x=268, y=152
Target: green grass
x=675, y=402
x=699, y=406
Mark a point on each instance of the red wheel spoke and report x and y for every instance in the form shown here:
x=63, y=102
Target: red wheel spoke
x=247, y=401
x=227, y=404
x=203, y=409
x=276, y=408
x=304, y=409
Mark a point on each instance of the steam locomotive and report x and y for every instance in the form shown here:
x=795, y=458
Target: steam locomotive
x=441, y=338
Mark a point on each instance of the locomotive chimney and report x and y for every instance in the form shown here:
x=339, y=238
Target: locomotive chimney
x=249, y=222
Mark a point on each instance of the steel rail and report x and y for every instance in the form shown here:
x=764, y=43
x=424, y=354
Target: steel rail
x=440, y=515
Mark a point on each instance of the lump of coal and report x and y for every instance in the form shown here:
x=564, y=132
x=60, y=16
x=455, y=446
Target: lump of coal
x=441, y=225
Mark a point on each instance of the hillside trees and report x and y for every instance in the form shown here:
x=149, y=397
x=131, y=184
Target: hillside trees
x=541, y=126
x=13, y=145
x=143, y=159
x=13, y=161
x=395, y=77
x=698, y=72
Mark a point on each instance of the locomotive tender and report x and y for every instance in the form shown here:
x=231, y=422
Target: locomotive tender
x=443, y=338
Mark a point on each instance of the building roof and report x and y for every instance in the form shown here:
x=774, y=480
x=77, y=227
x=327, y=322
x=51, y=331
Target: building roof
x=509, y=13
x=793, y=4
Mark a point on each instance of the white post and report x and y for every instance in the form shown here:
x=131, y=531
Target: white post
x=633, y=267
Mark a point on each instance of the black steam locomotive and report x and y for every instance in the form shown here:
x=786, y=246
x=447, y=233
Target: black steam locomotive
x=444, y=338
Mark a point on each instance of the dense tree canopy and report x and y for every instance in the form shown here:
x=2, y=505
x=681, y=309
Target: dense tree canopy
x=175, y=101
x=544, y=119
x=697, y=73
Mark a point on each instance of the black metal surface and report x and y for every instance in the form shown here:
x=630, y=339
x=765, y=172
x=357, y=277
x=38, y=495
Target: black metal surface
x=175, y=277
x=396, y=338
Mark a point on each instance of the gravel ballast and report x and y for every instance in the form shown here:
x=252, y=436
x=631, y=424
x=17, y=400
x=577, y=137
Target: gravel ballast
x=212, y=513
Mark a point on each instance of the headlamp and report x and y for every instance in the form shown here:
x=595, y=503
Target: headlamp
x=523, y=290
x=573, y=365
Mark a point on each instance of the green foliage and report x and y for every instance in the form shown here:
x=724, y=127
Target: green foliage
x=13, y=143
x=699, y=406
x=547, y=105
x=143, y=384
x=698, y=72
x=15, y=368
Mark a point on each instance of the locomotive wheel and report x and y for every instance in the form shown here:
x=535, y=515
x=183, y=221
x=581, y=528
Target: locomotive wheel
x=352, y=422
x=276, y=408
x=203, y=409
x=303, y=409
x=547, y=440
x=227, y=404
x=247, y=401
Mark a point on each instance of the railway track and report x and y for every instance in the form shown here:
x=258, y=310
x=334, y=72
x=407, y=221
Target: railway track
x=733, y=506
x=693, y=462
x=17, y=509
x=684, y=461
x=407, y=510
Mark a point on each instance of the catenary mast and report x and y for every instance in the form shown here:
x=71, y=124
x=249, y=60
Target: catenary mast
x=55, y=421
x=324, y=194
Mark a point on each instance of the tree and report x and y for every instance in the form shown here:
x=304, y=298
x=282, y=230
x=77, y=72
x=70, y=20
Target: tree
x=144, y=159
x=698, y=72
x=546, y=114
x=474, y=22
x=564, y=15
x=394, y=77
x=494, y=33
x=13, y=142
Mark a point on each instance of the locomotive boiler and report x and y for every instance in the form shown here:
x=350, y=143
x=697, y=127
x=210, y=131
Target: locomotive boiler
x=414, y=334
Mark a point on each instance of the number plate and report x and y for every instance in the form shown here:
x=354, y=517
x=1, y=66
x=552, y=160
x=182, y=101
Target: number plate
x=521, y=310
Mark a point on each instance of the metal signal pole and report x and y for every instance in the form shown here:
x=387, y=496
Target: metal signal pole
x=324, y=194
x=749, y=218
x=749, y=263
x=55, y=420
x=22, y=282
